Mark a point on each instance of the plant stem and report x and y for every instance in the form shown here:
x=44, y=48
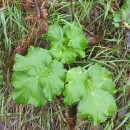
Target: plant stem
x=71, y=117
x=72, y=9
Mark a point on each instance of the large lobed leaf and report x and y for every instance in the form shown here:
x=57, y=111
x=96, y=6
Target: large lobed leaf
x=93, y=89
x=123, y=14
x=37, y=78
x=66, y=43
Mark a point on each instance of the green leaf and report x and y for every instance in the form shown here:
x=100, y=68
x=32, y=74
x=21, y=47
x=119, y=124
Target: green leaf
x=93, y=89
x=123, y=14
x=74, y=36
x=68, y=43
x=54, y=33
x=101, y=78
x=37, y=78
x=64, y=55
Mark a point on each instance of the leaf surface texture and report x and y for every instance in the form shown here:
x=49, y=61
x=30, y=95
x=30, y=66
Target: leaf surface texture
x=93, y=90
x=37, y=78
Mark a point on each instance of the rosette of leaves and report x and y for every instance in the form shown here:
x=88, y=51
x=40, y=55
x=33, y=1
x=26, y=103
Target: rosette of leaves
x=37, y=78
x=123, y=15
x=67, y=43
x=93, y=90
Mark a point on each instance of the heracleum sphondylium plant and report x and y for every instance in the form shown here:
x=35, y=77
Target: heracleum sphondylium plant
x=93, y=89
x=39, y=77
x=67, y=42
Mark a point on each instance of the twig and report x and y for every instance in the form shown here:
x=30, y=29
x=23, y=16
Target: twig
x=72, y=9
x=37, y=6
